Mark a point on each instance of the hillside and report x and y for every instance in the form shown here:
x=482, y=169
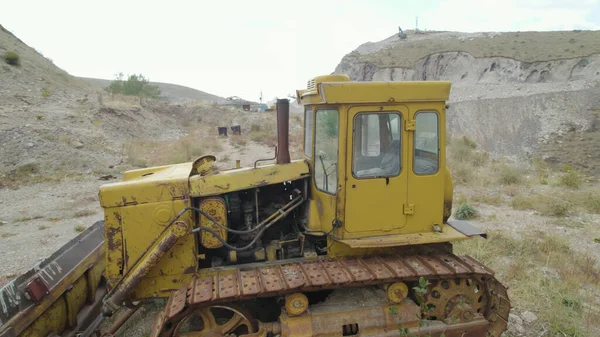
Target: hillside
x=529, y=93
x=173, y=92
x=54, y=126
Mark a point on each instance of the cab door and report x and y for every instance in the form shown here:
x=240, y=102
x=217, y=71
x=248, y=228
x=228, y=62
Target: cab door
x=426, y=163
x=376, y=175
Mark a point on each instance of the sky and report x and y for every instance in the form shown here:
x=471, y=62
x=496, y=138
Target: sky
x=240, y=48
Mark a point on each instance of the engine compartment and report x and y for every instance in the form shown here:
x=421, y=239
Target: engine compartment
x=263, y=223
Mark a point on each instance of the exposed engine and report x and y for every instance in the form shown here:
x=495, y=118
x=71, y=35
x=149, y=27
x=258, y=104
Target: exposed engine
x=263, y=223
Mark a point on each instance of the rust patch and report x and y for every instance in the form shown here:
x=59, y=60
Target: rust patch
x=260, y=183
x=114, y=239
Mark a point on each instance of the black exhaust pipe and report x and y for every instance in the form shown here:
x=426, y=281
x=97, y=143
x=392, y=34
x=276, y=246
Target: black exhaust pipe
x=283, y=129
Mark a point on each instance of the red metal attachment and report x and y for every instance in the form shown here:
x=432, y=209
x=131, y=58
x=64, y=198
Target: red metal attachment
x=36, y=289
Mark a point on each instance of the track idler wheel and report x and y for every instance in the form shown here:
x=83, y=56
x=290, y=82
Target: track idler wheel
x=215, y=321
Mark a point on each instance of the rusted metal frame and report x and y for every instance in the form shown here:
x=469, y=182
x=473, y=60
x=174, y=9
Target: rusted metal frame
x=57, y=273
x=143, y=265
x=159, y=236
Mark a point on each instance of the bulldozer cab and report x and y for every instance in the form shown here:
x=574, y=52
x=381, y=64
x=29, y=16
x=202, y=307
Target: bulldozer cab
x=377, y=157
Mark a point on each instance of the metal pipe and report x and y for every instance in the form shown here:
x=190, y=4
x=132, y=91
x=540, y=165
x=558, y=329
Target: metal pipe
x=121, y=320
x=283, y=129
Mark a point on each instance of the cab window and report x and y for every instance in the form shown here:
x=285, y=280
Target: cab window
x=308, y=132
x=376, y=145
x=426, y=142
x=326, y=150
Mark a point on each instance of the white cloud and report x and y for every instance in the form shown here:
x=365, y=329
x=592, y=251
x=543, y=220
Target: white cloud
x=510, y=15
x=242, y=47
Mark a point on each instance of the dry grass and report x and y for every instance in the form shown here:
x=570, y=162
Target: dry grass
x=559, y=202
x=185, y=149
x=268, y=138
x=238, y=140
x=42, y=227
x=25, y=219
x=524, y=186
x=8, y=235
x=488, y=198
x=83, y=213
x=465, y=161
x=544, y=275
x=79, y=228
x=508, y=175
x=523, y=46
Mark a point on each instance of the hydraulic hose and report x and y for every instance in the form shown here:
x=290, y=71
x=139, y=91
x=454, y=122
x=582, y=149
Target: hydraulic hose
x=258, y=236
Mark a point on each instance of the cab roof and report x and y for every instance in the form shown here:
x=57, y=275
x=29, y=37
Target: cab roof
x=336, y=89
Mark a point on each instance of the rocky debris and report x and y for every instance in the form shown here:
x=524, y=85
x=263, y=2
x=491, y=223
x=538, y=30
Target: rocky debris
x=30, y=145
x=528, y=317
x=29, y=165
x=77, y=144
x=515, y=325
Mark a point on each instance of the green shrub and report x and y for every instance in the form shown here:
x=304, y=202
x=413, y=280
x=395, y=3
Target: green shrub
x=465, y=211
x=521, y=202
x=12, y=58
x=135, y=85
x=508, y=175
x=570, y=179
x=592, y=203
x=554, y=206
x=463, y=151
x=462, y=173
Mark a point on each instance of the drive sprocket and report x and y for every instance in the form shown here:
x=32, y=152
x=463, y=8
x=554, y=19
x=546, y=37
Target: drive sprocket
x=444, y=296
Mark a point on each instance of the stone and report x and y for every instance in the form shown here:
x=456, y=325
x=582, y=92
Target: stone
x=528, y=317
x=77, y=145
x=28, y=166
x=29, y=145
x=515, y=325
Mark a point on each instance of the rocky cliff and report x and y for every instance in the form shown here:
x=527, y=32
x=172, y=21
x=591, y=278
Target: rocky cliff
x=520, y=93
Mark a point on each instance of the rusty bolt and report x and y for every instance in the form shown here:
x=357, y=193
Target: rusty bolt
x=297, y=304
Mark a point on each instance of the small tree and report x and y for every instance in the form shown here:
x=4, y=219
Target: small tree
x=135, y=85
x=12, y=58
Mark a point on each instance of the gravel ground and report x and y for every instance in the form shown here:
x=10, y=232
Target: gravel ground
x=39, y=219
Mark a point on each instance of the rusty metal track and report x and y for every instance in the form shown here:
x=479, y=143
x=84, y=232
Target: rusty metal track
x=226, y=286
x=61, y=294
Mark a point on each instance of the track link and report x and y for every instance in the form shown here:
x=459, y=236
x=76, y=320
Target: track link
x=229, y=285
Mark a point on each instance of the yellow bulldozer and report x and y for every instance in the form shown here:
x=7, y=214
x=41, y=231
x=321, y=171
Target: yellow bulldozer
x=354, y=239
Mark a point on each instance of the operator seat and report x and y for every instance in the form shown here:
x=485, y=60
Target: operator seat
x=390, y=163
